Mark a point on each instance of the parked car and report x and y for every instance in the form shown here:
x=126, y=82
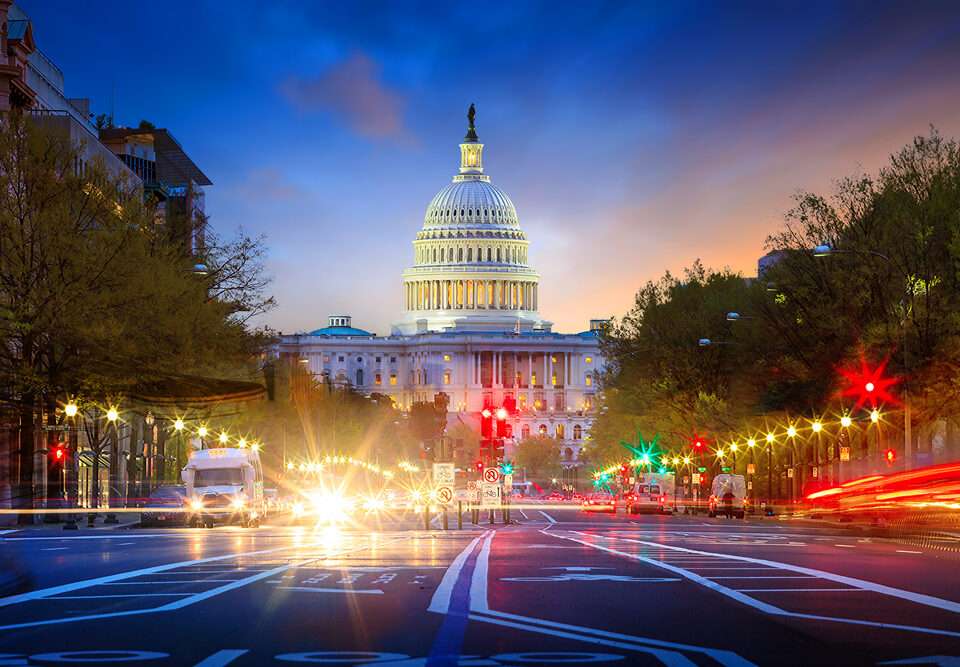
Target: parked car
x=554, y=496
x=171, y=498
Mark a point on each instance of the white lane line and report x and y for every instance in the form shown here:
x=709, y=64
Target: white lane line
x=910, y=596
x=906, y=551
x=524, y=515
x=125, y=544
x=801, y=590
x=7, y=532
x=779, y=576
x=478, y=584
x=547, y=517
x=763, y=606
x=700, y=568
x=440, y=602
x=54, y=548
x=582, y=633
x=161, y=581
x=123, y=595
x=846, y=546
x=222, y=657
x=87, y=583
x=349, y=591
x=107, y=536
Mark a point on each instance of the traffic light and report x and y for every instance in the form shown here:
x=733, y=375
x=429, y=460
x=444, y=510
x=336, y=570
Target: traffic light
x=486, y=423
x=624, y=470
x=478, y=466
x=506, y=468
x=890, y=456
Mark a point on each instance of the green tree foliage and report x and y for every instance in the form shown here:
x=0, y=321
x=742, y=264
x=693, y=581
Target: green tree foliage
x=539, y=457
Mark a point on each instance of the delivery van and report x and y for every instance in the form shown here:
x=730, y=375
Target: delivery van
x=224, y=485
x=728, y=496
x=651, y=492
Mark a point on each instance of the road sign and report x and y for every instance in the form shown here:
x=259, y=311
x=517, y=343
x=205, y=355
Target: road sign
x=508, y=483
x=443, y=474
x=489, y=496
x=751, y=469
x=789, y=472
x=491, y=475
x=750, y=485
x=696, y=478
x=463, y=495
x=472, y=485
x=844, y=453
x=444, y=495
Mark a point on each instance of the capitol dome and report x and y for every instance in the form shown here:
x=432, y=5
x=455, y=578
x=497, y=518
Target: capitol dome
x=470, y=267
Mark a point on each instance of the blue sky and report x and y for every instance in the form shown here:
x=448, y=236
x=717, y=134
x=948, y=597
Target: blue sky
x=632, y=137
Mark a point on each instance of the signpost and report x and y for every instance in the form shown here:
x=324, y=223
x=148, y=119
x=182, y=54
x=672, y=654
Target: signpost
x=489, y=496
x=444, y=495
x=491, y=475
x=443, y=474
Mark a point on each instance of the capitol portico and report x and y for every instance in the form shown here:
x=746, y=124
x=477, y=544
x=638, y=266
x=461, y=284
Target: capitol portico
x=470, y=326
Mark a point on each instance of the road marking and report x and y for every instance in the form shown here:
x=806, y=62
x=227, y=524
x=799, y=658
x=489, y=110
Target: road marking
x=153, y=583
x=122, y=595
x=478, y=584
x=440, y=602
x=171, y=606
x=906, y=551
x=524, y=515
x=55, y=549
x=800, y=590
x=846, y=546
x=774, y=610
x=351, y=591
x=910, y=596
x=547, y=517
x=221, y=658
x=594, y=635
x=779, y=576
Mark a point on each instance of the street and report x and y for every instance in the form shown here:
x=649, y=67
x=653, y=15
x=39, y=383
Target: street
x=560, y=587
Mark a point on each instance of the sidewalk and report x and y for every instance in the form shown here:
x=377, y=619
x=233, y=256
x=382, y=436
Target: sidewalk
x=126, y=518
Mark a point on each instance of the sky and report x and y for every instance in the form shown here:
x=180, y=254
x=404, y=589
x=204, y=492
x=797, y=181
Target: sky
x=633, y=138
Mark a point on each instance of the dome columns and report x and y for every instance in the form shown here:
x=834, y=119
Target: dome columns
x=470, y=294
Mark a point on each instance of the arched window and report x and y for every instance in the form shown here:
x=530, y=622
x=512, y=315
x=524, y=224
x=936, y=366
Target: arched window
x=543, y=429
x=561, y=431
x=568, y=454
x=577, y=432
x=359, y=377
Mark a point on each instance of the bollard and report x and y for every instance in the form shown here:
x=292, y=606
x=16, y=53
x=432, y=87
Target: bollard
x=426, y=517
x=459, y=515
x=492, y=521
x=445, y=526
x=90, y=519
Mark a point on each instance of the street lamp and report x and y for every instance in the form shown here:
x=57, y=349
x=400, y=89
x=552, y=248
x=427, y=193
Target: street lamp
x=178, y=424
x=223, y=437
x=70, y=409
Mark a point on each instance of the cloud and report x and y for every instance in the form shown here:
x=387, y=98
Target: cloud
x=352, y=90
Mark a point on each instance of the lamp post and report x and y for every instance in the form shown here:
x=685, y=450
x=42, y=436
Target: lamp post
x=113, y=417
x=826, y=250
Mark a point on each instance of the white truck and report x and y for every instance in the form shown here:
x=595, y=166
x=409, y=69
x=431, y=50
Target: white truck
x=224, y=485
x=728, y=496
x=652, y=492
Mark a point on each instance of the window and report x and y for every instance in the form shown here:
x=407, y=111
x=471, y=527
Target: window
x=377, y=379
x=218, y=477
x=359, y=377
x=446, y=377
x=340, y=359
x=393, y=360
x=543, y=429
x=469, y=254
x=326, y=358
x=553, y=379
x=359, y=360
x=446, y=357
x=459, y=254
x=588, y=380
x=393, y=379
x=588, y=360
x=560, y=431
x=525, y=431
x=577, y=432
x=533, y=379
x=378, y=360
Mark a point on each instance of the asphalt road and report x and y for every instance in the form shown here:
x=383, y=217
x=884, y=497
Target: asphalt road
x=562, y=587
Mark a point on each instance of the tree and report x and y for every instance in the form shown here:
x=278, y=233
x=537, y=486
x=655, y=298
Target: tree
x=539, y=456
x=93, y=296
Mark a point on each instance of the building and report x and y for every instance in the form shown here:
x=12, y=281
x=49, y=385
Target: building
x=170, y=177
x=470, y=326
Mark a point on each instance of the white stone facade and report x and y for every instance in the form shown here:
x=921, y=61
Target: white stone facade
x=470, y=325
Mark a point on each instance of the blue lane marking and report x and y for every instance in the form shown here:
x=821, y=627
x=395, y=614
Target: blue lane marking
x=448, y=643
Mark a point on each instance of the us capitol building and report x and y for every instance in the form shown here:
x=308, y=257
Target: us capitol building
x=470, y=326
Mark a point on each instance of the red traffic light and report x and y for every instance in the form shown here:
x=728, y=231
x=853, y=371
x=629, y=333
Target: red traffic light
x=890, y=456
x=58, y=453
x=623, y=469
x=479, y=466
x=486, y=414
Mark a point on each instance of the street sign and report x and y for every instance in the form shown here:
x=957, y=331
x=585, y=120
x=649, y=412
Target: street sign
x=472, y=485
x=462, y=495
x=491, y=475
x=751, y=469
x=444, y=495
x=789, y=472
x=844, y=453
x=696, y=478
x=508, y=483
x=443, y=474
x=489, y=496
x=750, y=485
